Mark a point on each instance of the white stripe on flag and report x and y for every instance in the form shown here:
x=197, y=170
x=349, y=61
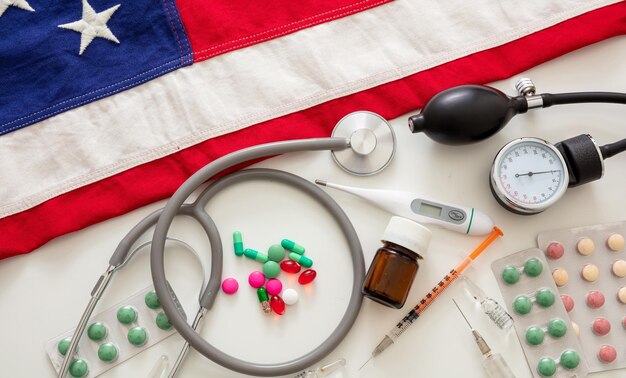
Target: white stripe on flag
x=251, y=85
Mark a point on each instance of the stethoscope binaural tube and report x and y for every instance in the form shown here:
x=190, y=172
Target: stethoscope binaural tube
x=204, y=174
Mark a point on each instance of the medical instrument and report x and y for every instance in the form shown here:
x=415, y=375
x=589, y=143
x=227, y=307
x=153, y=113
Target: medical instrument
x=372, y=143
x=465, y=220
x=115, y=263
x=395, y=264
x=364, y=147
x=412, y=316
x=471, y=113
x=494, y=364
x=528, y=175
x=323, y=371
x=490, y=306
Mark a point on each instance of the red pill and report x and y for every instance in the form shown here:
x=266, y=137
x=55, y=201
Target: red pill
x=568, y=302
x=607, y=353
x=595, y=299
x=555, y=250
x=290, y=266
x=277, y=304
x=307, y=277
x=601, y=326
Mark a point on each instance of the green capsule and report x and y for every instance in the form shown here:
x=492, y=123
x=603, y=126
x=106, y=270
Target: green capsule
x=137, y=336
x=97, y=331
x=64, y=345
x=293, y=247
x=238, y=243
x=570, y=359
x=152, y=300
x=302, y=260
x=126, y=315
x=261, y=293
x=534, y=335
x=107, y=352
x=557, y=327
x=533, y=267
x=163, y=322
x=510, y=275
x=544, y=298
x=255, y=255
x=79, y=368
x=522, y=305
x=546, y=367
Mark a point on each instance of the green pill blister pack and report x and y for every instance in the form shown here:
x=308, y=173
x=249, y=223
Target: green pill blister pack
x=541, y=322
x=113, y=336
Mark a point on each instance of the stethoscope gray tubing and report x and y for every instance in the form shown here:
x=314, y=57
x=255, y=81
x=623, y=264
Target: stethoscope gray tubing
x=121, y=256
x=186, y=189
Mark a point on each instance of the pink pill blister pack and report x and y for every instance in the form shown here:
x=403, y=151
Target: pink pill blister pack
x=588, y=265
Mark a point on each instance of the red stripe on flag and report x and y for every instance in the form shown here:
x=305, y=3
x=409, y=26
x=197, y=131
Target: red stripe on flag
x=218, y=26
x=136, y=187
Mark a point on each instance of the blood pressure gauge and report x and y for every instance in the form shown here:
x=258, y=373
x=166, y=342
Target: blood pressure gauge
x=528, y=175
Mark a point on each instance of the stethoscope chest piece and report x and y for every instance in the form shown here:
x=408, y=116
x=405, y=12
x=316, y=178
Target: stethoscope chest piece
x=372, y=143
x=528, y=175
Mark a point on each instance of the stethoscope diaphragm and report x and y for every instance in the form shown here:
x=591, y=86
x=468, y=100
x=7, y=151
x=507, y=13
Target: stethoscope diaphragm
x=372, y=143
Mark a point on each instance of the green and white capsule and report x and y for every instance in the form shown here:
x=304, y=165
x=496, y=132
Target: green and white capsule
x=255, y=255
x=238, y=243
x=264, y=300
x=292, y=246
x=302, y=260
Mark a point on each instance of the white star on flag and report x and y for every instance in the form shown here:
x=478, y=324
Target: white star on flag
x=22, y=4
x=91, y=25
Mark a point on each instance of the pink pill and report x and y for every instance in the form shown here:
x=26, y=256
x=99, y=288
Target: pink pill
x=568, y=302
x=555, y=250
x=273, y=286
x=230, y=286
x=607, y=353
x=601, y=326
x=595, y=299
x=256, y=279
x=624, y=322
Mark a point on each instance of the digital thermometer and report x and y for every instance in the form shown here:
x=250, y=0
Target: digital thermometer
x=465, y=220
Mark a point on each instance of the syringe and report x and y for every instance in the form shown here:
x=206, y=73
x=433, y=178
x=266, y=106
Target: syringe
x=430, y=297
x=494, y=364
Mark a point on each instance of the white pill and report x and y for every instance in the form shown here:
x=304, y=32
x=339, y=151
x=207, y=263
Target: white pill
x=290, y=296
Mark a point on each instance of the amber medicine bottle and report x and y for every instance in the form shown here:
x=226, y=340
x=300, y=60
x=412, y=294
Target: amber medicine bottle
x=395, y=264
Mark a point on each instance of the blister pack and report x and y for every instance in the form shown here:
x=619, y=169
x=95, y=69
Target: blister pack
x=541, y=323
x=114, y=335
x=588, y=264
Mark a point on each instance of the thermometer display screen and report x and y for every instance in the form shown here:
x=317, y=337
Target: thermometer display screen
x=431, y=210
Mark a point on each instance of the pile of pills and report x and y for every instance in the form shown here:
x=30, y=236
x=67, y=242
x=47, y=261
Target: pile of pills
x=113, y=336
x=549, y=342
x=288, y=257
x=588, y=265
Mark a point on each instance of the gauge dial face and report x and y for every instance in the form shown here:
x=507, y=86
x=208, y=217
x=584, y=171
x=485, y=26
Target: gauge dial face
x=530, y=173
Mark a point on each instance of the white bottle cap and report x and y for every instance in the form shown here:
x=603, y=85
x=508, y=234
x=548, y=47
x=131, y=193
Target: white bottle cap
x=407, y=233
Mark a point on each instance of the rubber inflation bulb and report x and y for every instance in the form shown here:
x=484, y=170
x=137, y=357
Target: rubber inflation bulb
x=466, y=114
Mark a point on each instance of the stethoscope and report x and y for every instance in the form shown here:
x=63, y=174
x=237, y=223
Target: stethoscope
x=362, y=143
x=528, y=175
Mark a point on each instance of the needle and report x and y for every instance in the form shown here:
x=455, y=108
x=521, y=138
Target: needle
x=368, y=360
x=533, y=173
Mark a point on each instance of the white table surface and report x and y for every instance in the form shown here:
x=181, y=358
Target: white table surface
x=43, y=293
